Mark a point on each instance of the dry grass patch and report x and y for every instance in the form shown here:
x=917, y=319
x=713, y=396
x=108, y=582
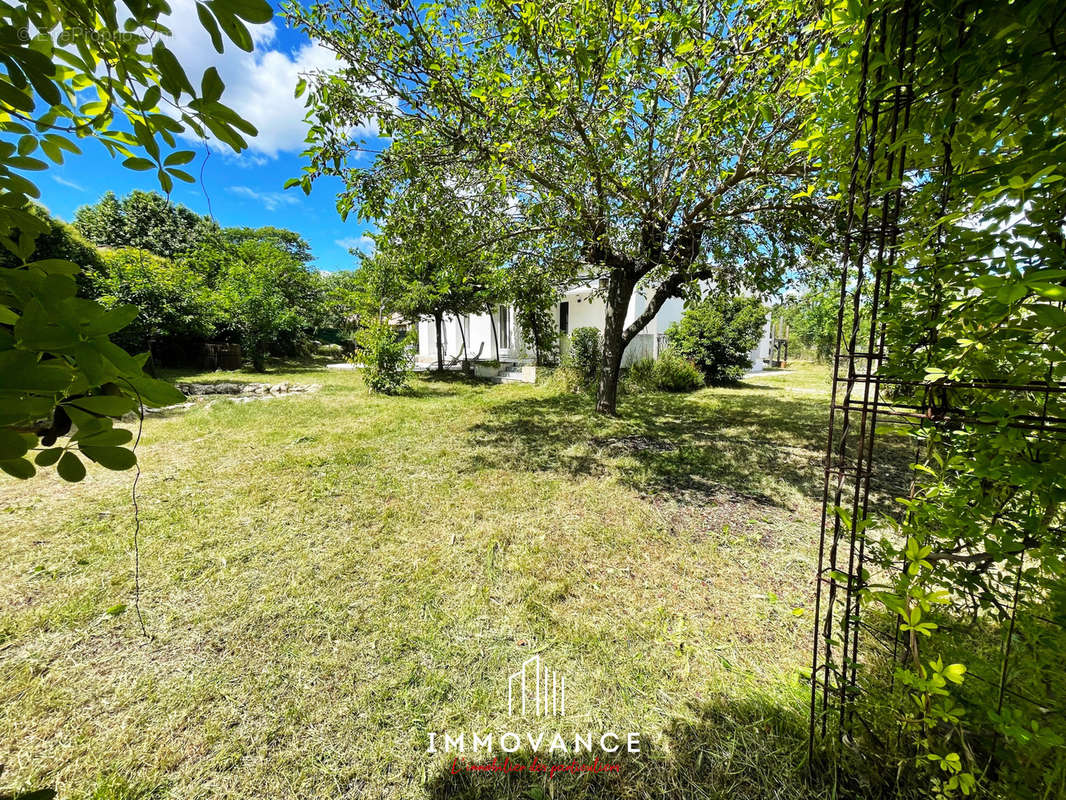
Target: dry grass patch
x=328, y=577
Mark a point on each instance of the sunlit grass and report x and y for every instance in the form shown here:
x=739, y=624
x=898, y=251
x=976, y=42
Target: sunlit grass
x=328, y=577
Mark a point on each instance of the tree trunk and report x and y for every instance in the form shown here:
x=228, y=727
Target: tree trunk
x=466, y=354
x=619, y=292
x=258, y=357
x=438, y=323
x=495, y=337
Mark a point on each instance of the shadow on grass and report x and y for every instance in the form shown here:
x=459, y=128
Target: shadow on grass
x=750, y=750
x=743, y=444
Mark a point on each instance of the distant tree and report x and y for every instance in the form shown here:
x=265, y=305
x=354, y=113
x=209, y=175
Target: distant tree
x=718, y=334
x=812, y=321
x=146, y=221
x=175, y=306
x=533, y=286
x=265, y=297
x=341, y=299
x=290, y=241
x=439, y=249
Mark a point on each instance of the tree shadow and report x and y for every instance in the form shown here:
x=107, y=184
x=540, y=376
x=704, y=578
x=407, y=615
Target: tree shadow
x=749, y=749
x=743, y=444
x=735, y=444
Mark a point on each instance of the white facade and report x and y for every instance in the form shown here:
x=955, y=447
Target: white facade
x=579, y=307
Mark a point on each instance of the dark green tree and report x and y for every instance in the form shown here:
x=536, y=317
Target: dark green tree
x=145, y=221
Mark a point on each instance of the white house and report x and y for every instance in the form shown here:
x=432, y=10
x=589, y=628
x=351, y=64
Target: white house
x=579, y=307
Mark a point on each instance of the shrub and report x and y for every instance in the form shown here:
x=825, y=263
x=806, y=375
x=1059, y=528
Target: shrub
x=718, y=334
x=566, y=378
x=331, y=350
x=386, y=362
x=675, y=373
x=640, y=374
x=585, y=348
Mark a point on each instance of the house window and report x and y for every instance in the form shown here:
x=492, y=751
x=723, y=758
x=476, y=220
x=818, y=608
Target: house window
x=564, y=317
x=505, y=328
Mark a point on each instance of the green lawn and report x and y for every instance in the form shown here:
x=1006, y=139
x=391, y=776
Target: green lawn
x=328, y=577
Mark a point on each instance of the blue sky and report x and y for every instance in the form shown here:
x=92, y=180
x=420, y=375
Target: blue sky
x=237, y=190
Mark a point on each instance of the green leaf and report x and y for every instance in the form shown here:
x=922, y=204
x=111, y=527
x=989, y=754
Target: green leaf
x=114, y=611
x=172, y=76
x=1050, y=290
x=18, y=468
x=105, y=405
x=22, y=373
x=46, y=458
x=115, y=458
x=14, y=445
x=235, y=30
x=70, y=468
x=211, y=85
x=176, y=159
x=209, y=25
x=107, y=438
x=138, y=163
x=254, y=11
x=181, y=175
x=955, y=672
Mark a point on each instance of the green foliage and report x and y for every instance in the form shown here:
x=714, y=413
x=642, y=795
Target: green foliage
x=585, y=347
x=58, y=367
x=567, y=378
x=646, y=142
x=812, y=323
x=145, y=221
x=385, y=358
x=435, y=254
x=718, y=334
x=172, y=300
x=675, y=373
x=56, y=241
x=640, y=374
x=265, y=295
x=976, y=303
x=670, y=372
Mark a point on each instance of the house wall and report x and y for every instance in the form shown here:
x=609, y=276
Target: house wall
x=585, y=311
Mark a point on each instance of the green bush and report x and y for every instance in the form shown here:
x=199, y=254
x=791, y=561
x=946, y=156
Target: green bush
x=331, y=350
x=585, y=348
x=718, y=334
x=383, y=354
x=640, y=374
x=675, y=373
x=566, y=378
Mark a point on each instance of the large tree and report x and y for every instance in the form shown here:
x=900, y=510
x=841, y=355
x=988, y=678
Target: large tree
x=663, y=131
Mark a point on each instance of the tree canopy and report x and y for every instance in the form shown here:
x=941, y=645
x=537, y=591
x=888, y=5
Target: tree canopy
x=655, y=141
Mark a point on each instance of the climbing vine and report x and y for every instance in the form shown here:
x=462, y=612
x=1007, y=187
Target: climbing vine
x=969, y=566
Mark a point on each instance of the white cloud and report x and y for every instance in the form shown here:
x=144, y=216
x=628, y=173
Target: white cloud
x=64, y=182
x=363, y=244
x=259, y=85
x=271, y=201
